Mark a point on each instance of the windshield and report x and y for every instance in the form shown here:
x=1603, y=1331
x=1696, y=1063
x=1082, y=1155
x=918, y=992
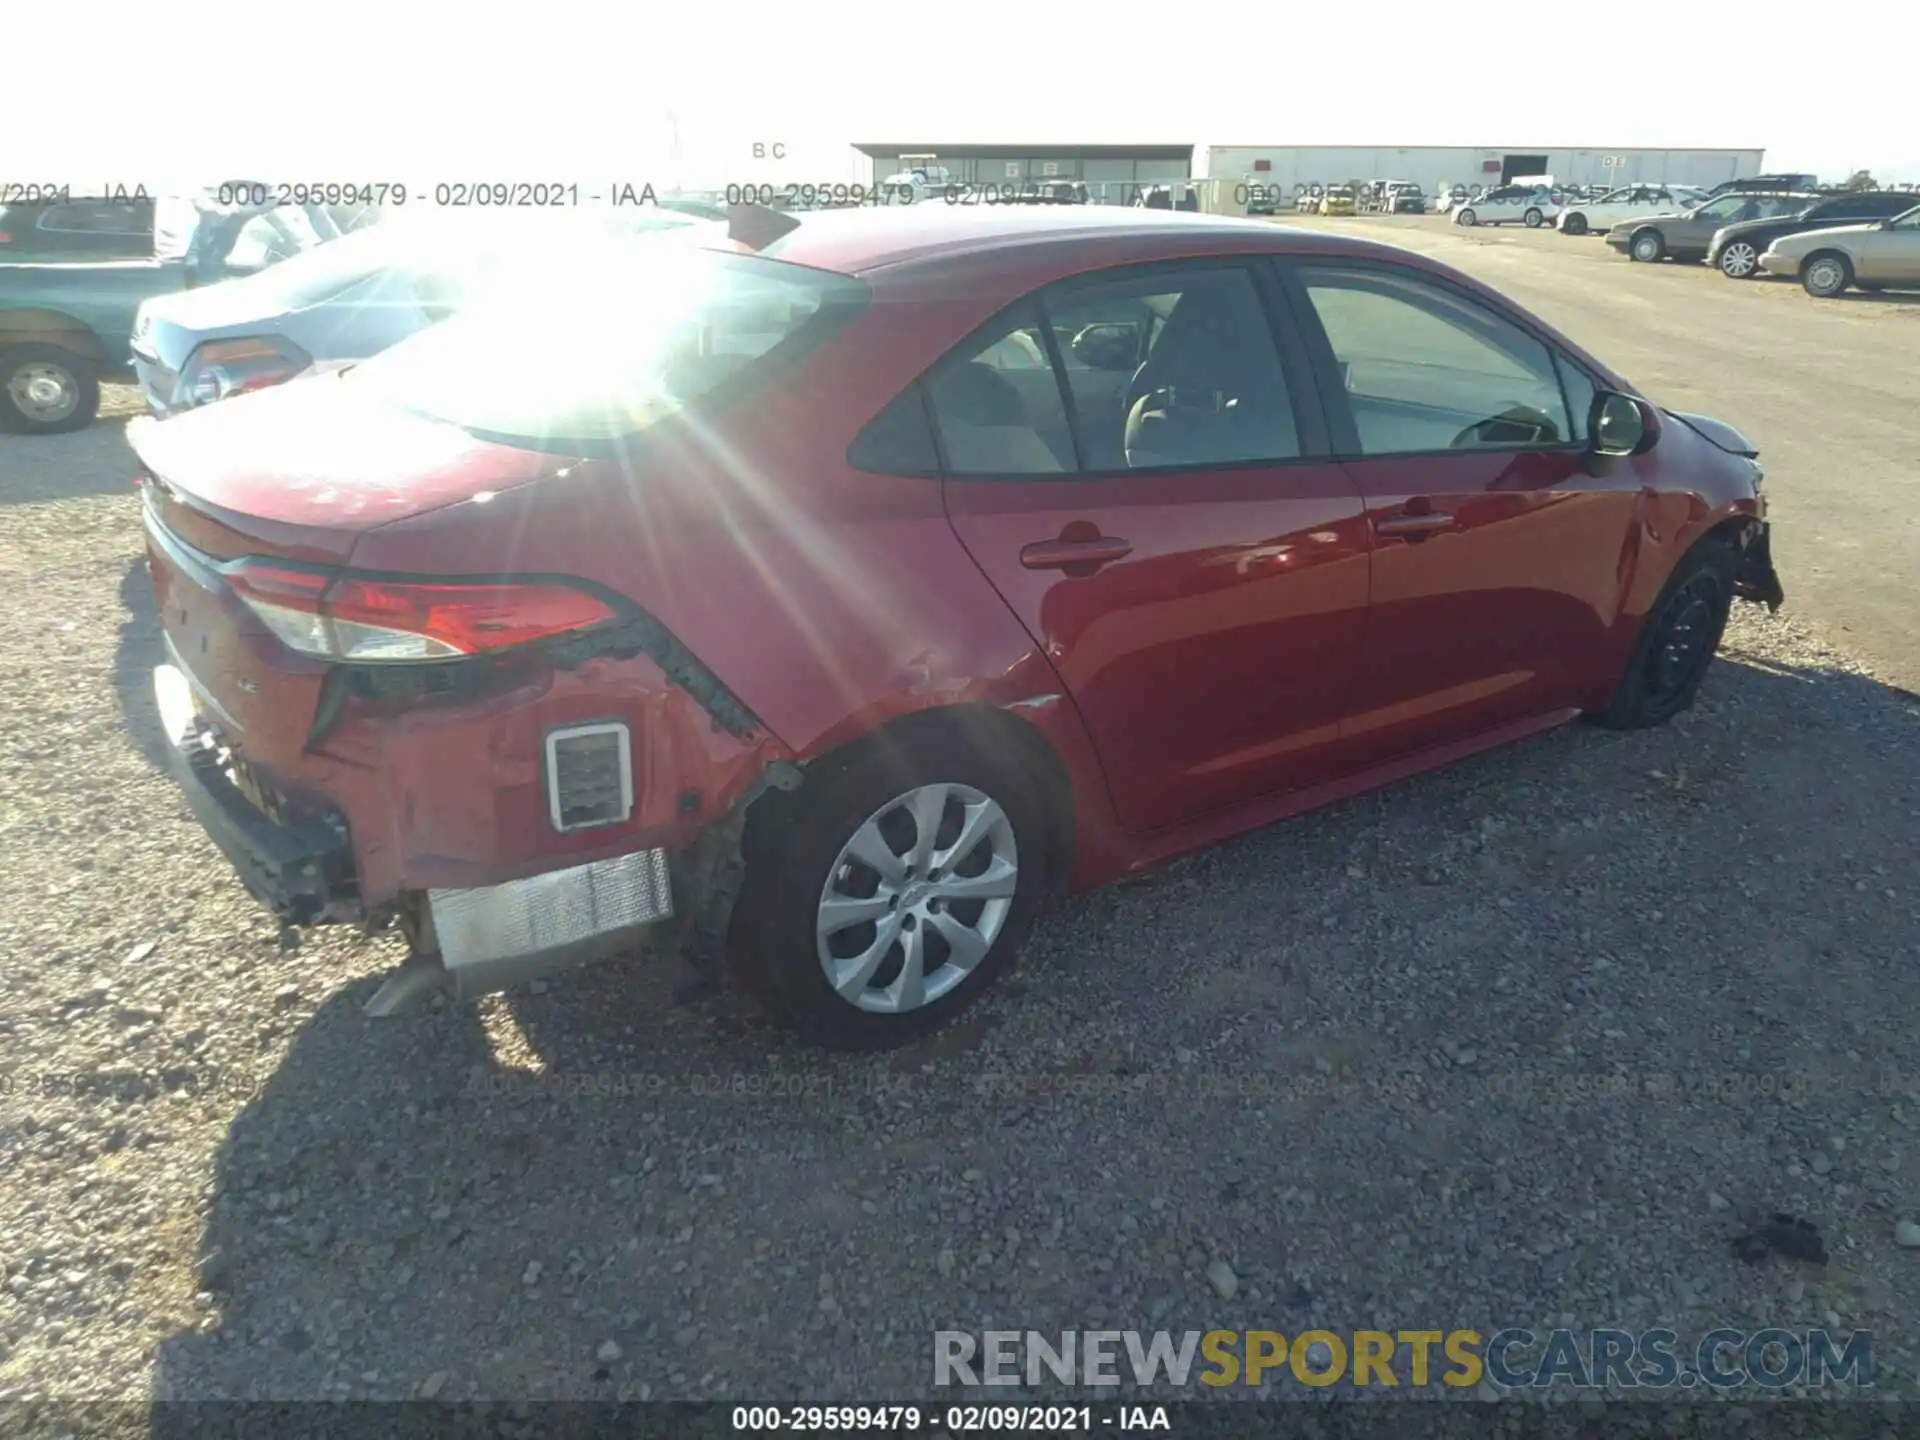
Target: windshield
x=614, y=347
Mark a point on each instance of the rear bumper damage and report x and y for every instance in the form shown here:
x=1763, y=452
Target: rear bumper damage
x=458, y=853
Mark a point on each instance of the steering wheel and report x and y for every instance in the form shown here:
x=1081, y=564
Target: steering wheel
x=1517, y=424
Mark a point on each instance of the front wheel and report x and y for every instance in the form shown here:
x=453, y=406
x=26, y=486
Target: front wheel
x=1739, y=261
x=1677, y=641
x=1825, y=275
x=1467, y=217
x=1575, y=225
x=1648, y=246
x=45, y=390
x=898, y=888
x=1534, y=219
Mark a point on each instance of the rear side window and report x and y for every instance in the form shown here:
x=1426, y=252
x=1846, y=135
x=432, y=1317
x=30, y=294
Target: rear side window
x=617, y=344
x=899, y=441
x=997, y=405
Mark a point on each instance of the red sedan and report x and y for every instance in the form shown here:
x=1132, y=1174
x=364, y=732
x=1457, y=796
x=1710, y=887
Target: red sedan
x=832, y=593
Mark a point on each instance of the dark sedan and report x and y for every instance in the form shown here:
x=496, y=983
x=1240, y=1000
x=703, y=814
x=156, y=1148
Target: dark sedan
x=1737, y=248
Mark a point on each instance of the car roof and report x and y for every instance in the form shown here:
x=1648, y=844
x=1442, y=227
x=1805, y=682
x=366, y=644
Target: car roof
x=860, y=241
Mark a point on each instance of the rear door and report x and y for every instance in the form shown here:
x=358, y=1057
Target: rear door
x=1499, y=558
x=1167, y=524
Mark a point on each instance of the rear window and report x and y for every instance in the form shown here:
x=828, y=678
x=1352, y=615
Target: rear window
x=610, y=349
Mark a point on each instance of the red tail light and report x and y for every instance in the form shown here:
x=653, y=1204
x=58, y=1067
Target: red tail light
x=370, y=619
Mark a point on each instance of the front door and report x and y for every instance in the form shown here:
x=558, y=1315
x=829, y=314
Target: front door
x=1499, y=558
x=1168, y=528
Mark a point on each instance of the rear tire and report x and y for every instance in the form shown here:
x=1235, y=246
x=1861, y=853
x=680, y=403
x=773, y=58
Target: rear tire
x=1648, y=246
x=794, y=922
x=1677, y=641
x=45, y=390
x=1576, y=225
x=1826, y=274
x=1534, y=219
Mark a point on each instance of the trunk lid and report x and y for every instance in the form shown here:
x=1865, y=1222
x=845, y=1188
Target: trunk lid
x=302, y=470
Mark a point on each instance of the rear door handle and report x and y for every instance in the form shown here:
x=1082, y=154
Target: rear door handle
x=1073, y=554
x=1412, y=524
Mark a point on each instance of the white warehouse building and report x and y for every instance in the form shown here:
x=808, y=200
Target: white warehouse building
x=1431, y=166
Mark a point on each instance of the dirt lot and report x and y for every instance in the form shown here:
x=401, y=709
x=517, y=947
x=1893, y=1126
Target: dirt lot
x=1522, y=1043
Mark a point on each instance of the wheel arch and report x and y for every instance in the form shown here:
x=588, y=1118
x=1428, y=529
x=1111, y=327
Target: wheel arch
x=43, y=326
x=1002, y=731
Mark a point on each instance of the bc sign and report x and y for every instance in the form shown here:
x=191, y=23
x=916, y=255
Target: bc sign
x=769, y=150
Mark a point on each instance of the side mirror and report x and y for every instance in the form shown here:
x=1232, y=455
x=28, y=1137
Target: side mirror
x=1107, y=347
x=1622, y=424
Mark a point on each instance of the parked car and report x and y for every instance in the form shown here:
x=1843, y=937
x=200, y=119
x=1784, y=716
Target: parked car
x=1263, y=196
x=346, y=301
x=1338, y=200
x=1750, y=184
x=66, y=320
x=1532, y=205
x=1688, y=234
x=1308, y=201
x=1884, y=255
x=1629, y=202
x=733, y=633
x=1406, y=199
x=1736, y=249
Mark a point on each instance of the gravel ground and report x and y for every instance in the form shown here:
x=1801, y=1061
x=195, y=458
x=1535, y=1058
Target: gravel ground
x=1522, y=1042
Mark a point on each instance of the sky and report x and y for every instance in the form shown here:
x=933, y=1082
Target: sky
x=604, y=92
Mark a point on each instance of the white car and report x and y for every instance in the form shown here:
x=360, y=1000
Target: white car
x=1629, y=202
x=1531, y=205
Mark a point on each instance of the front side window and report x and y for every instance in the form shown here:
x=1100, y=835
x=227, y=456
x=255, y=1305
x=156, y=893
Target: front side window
x=614, y=345
x=1427, y=369
x=1908, y=221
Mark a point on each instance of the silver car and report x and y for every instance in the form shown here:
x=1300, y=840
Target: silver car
x=351, y=298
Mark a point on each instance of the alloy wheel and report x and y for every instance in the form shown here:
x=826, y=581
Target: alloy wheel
x=1739, y=260
x=1646, y=248
x=1684, y=641
x=916, y=898
x=43, y=392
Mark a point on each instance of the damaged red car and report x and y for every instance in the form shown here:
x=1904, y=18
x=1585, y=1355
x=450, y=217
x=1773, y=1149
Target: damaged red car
x=822, y=599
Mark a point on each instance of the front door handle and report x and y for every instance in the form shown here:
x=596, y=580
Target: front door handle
x=1424, y=524
x=1086, y=555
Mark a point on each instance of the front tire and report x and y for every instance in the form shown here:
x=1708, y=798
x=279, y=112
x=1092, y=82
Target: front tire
x=1826, y=274
x=1677, y=641
x=1467, y=217
x=1576, y=225
x=1648, y=246
x=1534, y=219
x=897, y=890
x=45, y=390
x=1740, y=260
